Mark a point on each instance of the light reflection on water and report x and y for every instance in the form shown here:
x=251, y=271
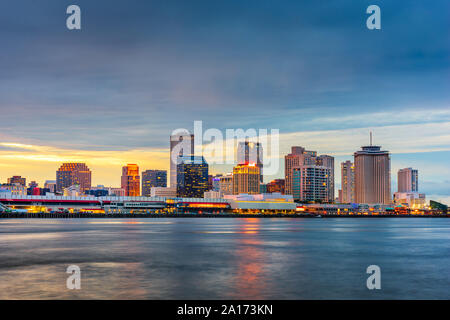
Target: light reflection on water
x=214, y=258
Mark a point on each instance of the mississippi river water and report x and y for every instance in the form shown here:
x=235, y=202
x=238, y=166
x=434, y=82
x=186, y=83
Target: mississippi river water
x=225, y=258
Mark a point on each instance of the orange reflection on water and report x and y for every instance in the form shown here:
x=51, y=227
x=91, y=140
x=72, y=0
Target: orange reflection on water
x=249, y=279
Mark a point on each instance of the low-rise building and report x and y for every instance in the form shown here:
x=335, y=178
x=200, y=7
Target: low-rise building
x=259, y=203
x=163, y=192
x=211, y=194
x=413, y=200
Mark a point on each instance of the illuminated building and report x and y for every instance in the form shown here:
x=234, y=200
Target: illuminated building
x=72, y=191
x=372, y=175
x=413, y=200
x=251, y=153
x=226, y=185
x=246, y=179
x=347, y=182
x=153, y=178
x=261, y=203
x=276, y=185
x=328, y=162
x=408, y=189
x=298, y=156
x=408, y=180
x=192, y=176
x=310, y=183
x=14, y=189
x=301, y=157
x=70, y=174
x=180, y=145
x=130, y=181
x=17, y=180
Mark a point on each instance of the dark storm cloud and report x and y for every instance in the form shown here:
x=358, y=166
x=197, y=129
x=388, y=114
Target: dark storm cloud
x=139, y=69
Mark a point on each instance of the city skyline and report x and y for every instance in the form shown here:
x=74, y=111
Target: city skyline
x=281, y=174
x=112, y=93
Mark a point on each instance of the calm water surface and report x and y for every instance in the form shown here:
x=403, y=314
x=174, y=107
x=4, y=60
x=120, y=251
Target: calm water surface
x=219, y=258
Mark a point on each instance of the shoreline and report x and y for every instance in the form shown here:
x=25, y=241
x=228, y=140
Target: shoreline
x=198, y=215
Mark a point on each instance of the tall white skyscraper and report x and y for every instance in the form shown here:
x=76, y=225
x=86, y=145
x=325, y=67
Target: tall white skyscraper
x=180, y=145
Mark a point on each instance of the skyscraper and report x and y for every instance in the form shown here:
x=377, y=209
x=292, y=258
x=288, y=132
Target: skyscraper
x=328, y=162
x=301, y=157
x=130, y=180
x=180, y=145
x=347, y=182
x=70, y=174
x=192, y=176
x=408, y=180
x=251, y=153
x=246, y=179
x=153, y=178
x=372, y=175
x=292, y=160
x=311, y=183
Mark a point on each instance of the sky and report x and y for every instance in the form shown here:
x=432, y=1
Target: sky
x=112, y=92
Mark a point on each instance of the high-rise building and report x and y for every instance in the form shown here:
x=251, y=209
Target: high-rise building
x=298, y=157
x=408, y=180
x=180, y=145
x=301, y=157
x=276, y=185
x=70, y=174
x=153, y=178
x=372, y=175
x=192, y=176
x=246, y=179
x=130, y=180
x=328, y=162
x=347, y=182
x=17, y=180
x=310, y=183
x=226, y=185
x=291, y=161
x=251, y=153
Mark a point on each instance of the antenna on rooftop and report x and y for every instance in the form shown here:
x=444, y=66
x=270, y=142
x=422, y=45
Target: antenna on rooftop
x=370, y=138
